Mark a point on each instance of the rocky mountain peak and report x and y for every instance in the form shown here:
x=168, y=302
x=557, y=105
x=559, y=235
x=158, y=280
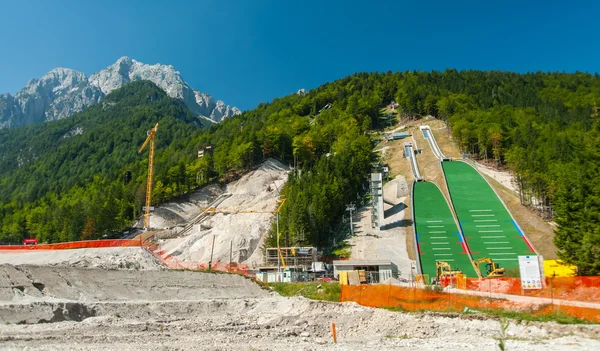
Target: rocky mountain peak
x=57, y=80
x=62, y=92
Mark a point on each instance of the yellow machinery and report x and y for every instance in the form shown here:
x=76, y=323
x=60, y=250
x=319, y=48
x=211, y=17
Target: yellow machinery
x=149, y=139
x=443, y=270
x=492, y=268
x=557, y=268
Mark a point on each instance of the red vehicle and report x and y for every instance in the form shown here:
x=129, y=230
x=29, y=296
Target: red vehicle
x=32, y=241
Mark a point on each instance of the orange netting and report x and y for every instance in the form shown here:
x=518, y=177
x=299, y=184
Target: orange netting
x=566, y=288
x=75, y=245
x=415, y=299
x=152, y=248
x=174, y=263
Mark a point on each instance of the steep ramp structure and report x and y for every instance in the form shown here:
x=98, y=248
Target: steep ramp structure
x=488, y=227
x=437, y=236
x=428, y=134
x=409, y=153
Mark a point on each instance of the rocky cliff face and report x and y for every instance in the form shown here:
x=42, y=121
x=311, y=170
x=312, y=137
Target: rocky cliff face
x=63, y=92
x=58, y=94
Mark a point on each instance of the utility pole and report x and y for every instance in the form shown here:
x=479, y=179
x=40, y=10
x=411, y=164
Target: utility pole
x=350, y=207
x=211, y=254
x=230, y=251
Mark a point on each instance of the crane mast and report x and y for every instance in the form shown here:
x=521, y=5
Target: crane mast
x=149, y=139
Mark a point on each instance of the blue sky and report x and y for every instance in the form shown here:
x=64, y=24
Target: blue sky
x=246, y=52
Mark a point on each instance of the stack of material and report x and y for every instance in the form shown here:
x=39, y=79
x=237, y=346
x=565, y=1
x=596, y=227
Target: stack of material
x=353, y=278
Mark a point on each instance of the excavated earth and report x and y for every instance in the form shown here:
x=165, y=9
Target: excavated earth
x=66, y=308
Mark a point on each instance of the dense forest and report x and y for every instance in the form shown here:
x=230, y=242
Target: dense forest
x=542, y=126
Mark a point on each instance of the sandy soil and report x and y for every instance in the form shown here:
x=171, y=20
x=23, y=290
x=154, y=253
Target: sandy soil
x=503, y=177
x=428, y=163
x=389, y=243
x=180, y=212
x=55, y=308
x=105, y=258
x=256, y=193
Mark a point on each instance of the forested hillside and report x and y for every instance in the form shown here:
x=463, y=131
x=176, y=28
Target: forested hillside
x=64, y=180
x=540, y=125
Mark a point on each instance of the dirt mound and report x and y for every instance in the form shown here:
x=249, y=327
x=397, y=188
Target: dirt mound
x=256, y=194
x=134, y=258
x=34, y=294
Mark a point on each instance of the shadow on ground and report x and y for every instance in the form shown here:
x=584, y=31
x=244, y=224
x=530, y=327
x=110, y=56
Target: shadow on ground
x=394, y=209
x=396, y=224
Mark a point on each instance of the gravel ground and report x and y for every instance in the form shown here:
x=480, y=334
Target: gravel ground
x=242, y=233
x=389, y=243
x=106, y=258
x=50, y=308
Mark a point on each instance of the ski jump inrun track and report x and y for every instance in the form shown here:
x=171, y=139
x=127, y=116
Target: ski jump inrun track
x=475, y=223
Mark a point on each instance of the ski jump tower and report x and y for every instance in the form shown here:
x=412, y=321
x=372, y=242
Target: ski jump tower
x=376, y=185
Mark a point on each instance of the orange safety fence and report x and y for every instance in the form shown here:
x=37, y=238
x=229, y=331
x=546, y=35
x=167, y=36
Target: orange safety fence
x=152, y=248
x=175, y=263
x=566, y=288
x=75, y=245
x=416, y=299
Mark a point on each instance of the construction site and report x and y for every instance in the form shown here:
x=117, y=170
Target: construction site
x=439, y=234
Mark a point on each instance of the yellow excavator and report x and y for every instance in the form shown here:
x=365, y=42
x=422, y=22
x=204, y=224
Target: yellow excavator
x=443, y=270
x=492, y=268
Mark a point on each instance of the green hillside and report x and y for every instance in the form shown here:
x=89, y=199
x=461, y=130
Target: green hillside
x=60, y=177
x=541, y=125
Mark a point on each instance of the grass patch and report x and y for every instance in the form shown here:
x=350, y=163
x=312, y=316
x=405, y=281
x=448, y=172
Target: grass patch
x=512, y=272
x=315, y=291
x=343, y=250
x=519, y=317
x=558, y=317
x=403, y=337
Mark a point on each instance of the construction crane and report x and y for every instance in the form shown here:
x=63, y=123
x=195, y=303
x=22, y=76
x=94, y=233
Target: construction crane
x=278, y=235
x=493, y=269
x=149, y=139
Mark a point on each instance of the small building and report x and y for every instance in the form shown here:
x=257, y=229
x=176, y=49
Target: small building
x=326, y=107
x=207, y=150
x=266, y=275
x=397, y=136
x=376, y=270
